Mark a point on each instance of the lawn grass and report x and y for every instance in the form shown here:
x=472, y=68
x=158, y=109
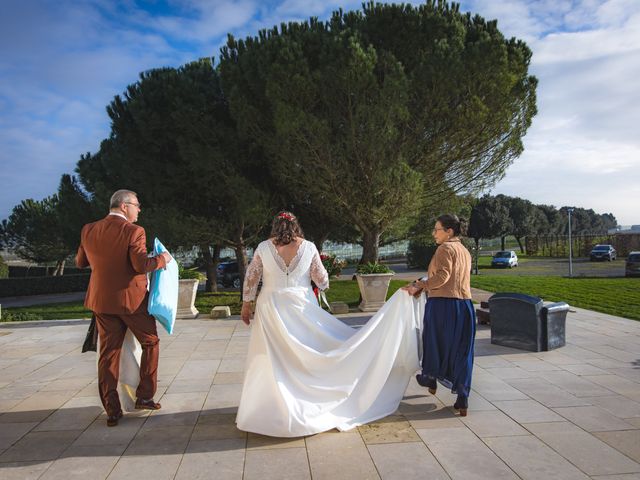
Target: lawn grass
x=615, y=296
x=205, y=301
x=341, y=290
x=50, y=311
x=347, y=291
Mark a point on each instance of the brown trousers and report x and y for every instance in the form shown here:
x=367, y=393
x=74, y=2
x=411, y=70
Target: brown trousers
x=112, y=329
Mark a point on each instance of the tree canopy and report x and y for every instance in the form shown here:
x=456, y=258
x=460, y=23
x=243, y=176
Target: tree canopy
x=174, y=143
x=33, y=231
x=48, y=230
x=376, y=111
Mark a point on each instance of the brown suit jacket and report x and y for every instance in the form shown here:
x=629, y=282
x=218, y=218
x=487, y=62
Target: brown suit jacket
x=116, y=250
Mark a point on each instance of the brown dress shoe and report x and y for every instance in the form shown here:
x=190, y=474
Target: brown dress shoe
x=147, y=405
x=112, y=420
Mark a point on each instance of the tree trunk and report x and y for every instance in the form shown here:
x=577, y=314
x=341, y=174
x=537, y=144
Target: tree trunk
x=59, y=268
x=370, y=247
x=477, y=240
x=241, y=252
x=241, y=257
x=211, y=265
x=520, y=244
x=319, y=241
x=502, y=241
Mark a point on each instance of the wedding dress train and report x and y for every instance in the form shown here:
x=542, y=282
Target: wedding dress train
x=306, y=371
x=129, y=377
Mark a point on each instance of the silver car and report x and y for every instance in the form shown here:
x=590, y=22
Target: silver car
x=603, y=252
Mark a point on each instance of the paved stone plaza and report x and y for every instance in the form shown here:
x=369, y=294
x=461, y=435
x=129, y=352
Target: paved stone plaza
x=569, y=413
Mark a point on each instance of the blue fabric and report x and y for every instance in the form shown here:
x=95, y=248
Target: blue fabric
x=448, y=336
x=163, y=292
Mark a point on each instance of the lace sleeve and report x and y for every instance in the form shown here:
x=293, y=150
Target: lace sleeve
x=319, y=274
x=252, y=278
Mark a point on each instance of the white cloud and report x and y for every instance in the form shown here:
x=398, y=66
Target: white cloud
x=589, y=44
x=199, y=20
x=583, y=148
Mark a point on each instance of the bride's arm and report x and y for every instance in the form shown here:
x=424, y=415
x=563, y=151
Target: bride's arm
x=319, y=274
x=251, y=281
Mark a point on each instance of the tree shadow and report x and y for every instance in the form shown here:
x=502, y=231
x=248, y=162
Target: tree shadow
x=40, y=436
x=37, y=436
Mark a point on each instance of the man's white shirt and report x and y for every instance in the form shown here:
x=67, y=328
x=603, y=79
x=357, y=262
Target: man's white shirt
x=119, y=215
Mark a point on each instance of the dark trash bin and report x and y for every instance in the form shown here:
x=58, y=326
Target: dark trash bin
x=524, y=322
x=554, y=317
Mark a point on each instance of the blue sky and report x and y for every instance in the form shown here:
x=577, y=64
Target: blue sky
x=62, y=62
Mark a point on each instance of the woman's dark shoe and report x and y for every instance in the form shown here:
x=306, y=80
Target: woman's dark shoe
x=147, y=405
x=425, y=381
x=112, y=420
x=462, y=405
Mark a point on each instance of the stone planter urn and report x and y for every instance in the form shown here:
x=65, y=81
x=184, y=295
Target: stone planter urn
x=187, y=289
x=373, y=289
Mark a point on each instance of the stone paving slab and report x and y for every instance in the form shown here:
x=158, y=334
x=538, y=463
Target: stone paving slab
x=569, y=413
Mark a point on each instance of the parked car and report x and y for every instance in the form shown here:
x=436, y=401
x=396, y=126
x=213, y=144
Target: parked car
x=603, y=252
x=632, y=265
x=505, y=258
x=228, y=274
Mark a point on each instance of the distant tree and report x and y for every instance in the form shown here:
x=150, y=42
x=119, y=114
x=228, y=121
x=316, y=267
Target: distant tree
x=587, y=221
x=609, y=221
x=489, y=219
x=540, y=222
x=554, y=221
x=524, y=218
x=3, y=237
x=381, y=109
x=74, y=209
x=506, y=202
x=601, y=223
x=33, y=232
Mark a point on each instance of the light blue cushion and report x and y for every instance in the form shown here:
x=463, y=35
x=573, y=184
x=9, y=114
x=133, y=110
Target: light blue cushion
x=163, y=291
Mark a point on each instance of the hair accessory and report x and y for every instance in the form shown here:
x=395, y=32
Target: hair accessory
x=285, y=215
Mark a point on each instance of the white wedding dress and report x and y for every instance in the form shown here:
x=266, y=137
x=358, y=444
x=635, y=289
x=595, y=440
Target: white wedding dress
x=306, y=371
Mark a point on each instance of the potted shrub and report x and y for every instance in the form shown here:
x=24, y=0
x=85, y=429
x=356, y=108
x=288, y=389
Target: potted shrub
x=187, y=289
x=332, y=264
x=373, y=281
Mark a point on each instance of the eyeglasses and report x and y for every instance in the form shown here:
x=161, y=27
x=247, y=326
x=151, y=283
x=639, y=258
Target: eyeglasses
x=137, y=205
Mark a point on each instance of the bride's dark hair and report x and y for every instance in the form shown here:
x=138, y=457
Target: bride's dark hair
x=285, y=228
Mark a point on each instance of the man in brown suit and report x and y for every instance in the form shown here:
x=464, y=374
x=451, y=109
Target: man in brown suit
x=116, y=250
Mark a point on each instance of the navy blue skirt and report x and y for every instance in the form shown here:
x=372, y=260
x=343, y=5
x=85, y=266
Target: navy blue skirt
x=448, y=335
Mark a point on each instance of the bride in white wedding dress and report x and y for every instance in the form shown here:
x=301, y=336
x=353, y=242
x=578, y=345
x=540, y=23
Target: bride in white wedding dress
x=307, y=372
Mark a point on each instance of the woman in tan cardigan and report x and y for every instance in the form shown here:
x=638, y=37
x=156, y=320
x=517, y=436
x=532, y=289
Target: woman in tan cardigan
x=449, y=320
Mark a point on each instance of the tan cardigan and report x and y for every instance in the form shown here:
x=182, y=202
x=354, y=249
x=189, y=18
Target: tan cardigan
x=449, y=272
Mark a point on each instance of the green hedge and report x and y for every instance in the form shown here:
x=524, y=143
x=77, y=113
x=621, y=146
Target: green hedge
x=18, y=271
x=419, y=254
x=16, y=287
x=4, y=269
